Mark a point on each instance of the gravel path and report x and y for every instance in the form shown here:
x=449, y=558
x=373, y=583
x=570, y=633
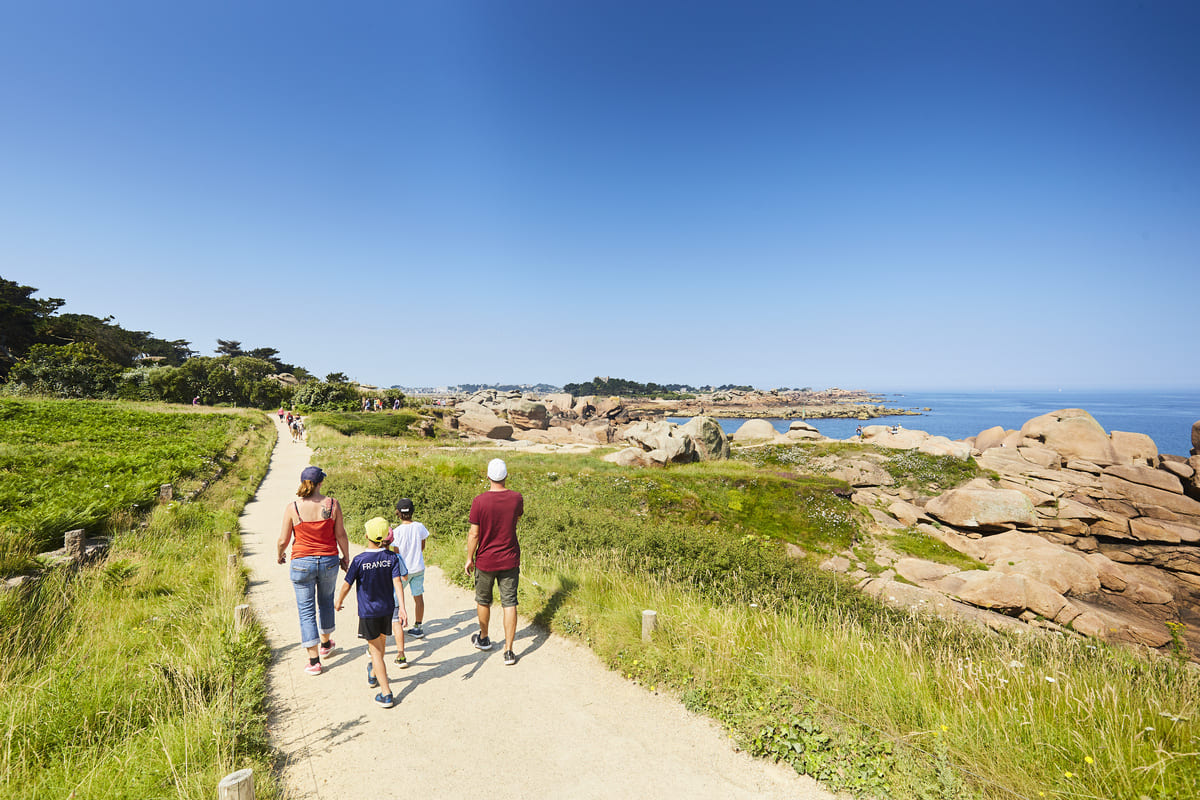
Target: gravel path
x=556, y=725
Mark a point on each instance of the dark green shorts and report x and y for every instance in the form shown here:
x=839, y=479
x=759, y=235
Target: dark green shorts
x=507, y=579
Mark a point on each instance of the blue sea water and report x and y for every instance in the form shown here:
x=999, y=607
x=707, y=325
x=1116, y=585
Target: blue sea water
x=1164, y=416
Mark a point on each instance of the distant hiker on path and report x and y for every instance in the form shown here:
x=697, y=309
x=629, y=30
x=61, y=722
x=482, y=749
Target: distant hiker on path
x=377, y=571
x=408, y=541
x=495, y=556
x=315, y=523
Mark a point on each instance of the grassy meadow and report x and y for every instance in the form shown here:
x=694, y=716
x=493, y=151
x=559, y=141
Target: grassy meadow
x=124, y=679
x=70, y=464
x=795, y=663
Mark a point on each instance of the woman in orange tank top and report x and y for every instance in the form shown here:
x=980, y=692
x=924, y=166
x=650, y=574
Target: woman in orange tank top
x=314, y=528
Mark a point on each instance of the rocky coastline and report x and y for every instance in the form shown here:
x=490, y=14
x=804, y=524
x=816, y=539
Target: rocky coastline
x=778, y=404
x=1074, y=529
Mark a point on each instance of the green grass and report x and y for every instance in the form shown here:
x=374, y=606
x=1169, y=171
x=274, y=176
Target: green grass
x=797, y=665
x=73, y=464
x=380, y=423
x=926, y=472
x=125, y=679
x=909, y=468
x=911, y=542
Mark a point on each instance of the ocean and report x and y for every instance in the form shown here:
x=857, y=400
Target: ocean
x=1165, y=416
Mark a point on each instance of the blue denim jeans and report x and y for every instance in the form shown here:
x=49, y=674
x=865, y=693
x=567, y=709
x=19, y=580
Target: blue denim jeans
x=314, y=578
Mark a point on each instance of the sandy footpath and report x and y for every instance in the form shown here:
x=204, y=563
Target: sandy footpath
x=558, y=724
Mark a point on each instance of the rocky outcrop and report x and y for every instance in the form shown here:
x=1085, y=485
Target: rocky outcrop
x=1072, y=433
x=1075, y=527
x=898, y=438
x=802, y=431
x=982, y=509
x=630, y=457
x=527, y=414
x=476, y=419
x=665, y=442
x=707, y=437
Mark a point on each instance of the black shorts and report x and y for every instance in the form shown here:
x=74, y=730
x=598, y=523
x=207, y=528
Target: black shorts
x=371, y=628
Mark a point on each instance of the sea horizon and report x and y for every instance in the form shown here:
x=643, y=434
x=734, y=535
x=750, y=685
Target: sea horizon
x=1165, y=415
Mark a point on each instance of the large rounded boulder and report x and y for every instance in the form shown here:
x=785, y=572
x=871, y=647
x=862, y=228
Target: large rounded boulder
x=1074, y=434
x=755, y=430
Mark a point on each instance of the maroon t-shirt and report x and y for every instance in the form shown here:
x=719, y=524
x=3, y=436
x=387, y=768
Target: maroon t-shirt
x=496, y=514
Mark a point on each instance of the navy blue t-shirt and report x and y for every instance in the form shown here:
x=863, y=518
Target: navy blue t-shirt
x=374, y=570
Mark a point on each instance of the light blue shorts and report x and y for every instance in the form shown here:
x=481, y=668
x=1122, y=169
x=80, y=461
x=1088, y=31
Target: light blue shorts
x=415, y=583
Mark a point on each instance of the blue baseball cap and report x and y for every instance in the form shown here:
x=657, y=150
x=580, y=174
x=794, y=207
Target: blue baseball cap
x=313, y=474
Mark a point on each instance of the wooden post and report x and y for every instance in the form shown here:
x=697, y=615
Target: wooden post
x=165, y=493
x=237, y=786
x=75, y=543
x=232, y=561
x=649, y=623
x=228, y=536
x=241, y=617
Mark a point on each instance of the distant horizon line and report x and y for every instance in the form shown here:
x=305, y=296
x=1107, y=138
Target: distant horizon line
x=891, y=390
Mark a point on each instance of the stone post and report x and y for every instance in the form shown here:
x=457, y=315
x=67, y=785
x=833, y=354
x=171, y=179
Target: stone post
x=165, y=493
x=75, y=543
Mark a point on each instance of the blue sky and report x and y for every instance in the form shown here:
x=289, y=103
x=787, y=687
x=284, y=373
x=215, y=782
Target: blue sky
x=878, y=195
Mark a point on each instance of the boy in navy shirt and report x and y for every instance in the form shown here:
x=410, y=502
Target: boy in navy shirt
x=377, y=572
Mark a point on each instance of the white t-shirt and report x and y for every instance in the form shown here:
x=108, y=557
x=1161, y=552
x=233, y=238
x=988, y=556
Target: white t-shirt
x=406, y=539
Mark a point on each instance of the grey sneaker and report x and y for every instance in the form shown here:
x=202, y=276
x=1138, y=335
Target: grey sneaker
x=481, y=642
x=415, y=632
x=510, y=658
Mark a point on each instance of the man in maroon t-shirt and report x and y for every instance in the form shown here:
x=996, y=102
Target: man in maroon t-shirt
x=495, y=556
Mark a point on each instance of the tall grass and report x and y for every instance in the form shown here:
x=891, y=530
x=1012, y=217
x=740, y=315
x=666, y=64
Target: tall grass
x=799, y=666
x=124, y=679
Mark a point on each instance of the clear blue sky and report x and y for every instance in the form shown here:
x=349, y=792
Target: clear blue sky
x=862, y=194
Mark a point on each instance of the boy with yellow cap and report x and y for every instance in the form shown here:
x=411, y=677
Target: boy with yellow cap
x=377, y=571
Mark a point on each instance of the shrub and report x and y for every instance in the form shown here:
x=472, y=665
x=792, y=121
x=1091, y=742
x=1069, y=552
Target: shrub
x=72, y=370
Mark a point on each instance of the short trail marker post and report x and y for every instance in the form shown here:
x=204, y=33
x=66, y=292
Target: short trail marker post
x=237, y=786
x=241, y=617
x=649, y=623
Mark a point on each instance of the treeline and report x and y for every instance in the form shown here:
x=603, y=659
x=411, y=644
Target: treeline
x=624, y=388
x=81, y=356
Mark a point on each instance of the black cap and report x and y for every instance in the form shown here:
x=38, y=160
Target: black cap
x=404, y=505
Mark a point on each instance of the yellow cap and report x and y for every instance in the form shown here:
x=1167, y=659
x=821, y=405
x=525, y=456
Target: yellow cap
x=377, y=529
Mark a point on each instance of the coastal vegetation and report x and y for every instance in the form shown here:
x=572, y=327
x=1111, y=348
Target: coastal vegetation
x=619, y=387
x=795, y=663
x=46, y=354
x=73, y=464
x=124, y=678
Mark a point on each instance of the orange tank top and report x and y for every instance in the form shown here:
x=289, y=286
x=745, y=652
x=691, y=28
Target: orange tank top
x=314, y=538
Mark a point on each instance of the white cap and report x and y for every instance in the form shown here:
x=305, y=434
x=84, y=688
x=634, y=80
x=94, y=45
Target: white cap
x=497, y=471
